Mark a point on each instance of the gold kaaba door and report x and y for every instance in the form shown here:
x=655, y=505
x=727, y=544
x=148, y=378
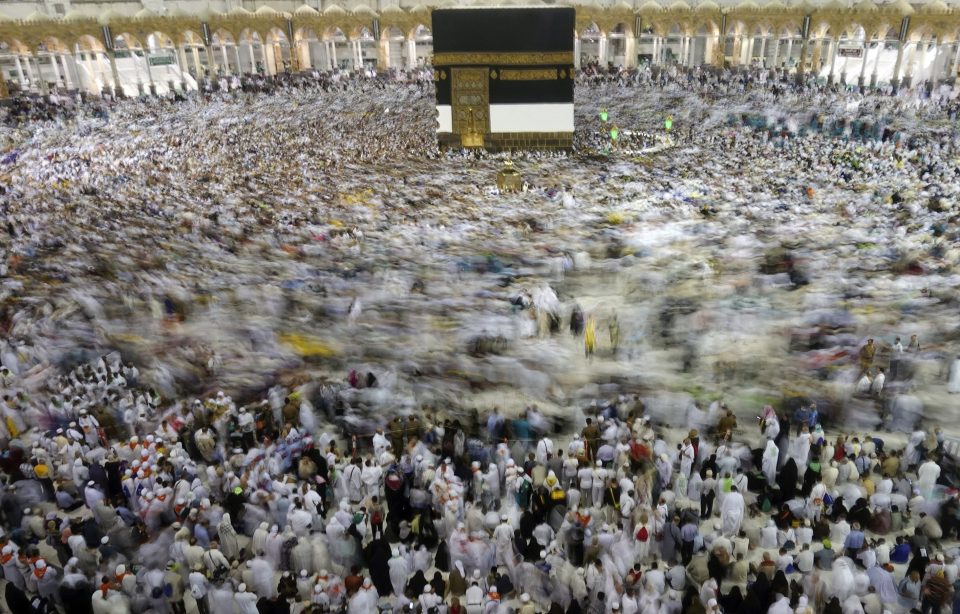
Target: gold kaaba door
x=471, y=105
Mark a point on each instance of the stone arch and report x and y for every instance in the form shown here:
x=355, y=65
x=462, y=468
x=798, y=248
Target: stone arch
x=252, y=54
x=620, y=43
x=589, y=39
x=224, y=53
x=190, y=38
x=338, y=46
x=194, y=56
x=277, y=52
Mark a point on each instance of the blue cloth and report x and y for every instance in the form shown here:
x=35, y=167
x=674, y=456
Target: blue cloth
x=855, y=540
x=900, y=553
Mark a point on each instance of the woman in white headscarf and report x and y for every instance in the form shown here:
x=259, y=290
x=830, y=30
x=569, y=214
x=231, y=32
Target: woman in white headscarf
x=259, y=542
x=770, y=456
x=770, y=424
x=229, y=544
x=274, y=546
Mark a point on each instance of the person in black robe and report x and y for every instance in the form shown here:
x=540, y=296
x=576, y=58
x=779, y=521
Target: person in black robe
x=761, y=588
x=750, y=604
x=860, y=512
x=439, y=586
x=98, y=475
x=17, y=600
x=779, y=585
x=731, y=601
x=833, y=607
x=376, y=555
x=574, y=607
x=115, y=477
x=287, y=586
x=441, y=559
x=810, y=478
x=415, y=585
x=838, y=509
x=78, y=596
x=428, y=531
x=784, y=517
x=787, y=480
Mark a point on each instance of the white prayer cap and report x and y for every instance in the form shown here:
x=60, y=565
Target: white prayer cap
x=304, y=573
x=73, y=561
x=41, y=564
x=503, y=518
x=615, y=605
x=600, y=463
x=90, y=483
x=323, y=573
x=428, y=589
x=317, y=588
x=104, y=539
x=525, y=598
x=712, y=603
x=7, y=549
x=242, y=588
x=121, y=569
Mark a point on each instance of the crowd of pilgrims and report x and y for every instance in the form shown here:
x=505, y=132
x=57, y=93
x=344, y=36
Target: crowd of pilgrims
x=120, y=497
x=119, y=501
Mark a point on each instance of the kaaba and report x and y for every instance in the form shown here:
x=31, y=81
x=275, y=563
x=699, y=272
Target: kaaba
x=504, y=77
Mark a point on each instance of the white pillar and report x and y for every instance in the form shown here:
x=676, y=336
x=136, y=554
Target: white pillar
x=68, y=81
x=198, y=67
x=955, y=62
x=576, y=52
x=358, y=54
x=91, y=71
x=236, y=52
x=876, y=62
x=895, y=77
x=411, y=53
x=31, y=76
x=654, y=56
x=763, y=52
x=789, y=52
x=226, y=60
x=56, y=70
x=602, y=49
x=775, y=62
x=629, y=53
x=146, y=60
x=833, y=56
x=863, y=65
x=332, y=54
x=20, y=76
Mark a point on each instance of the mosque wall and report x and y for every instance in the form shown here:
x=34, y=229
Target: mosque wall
x=139, y=52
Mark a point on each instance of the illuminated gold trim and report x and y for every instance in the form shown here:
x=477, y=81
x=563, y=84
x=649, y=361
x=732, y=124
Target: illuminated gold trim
x=546, y=74
x=512, y=58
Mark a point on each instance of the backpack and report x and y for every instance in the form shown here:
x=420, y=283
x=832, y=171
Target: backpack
x=643, y=535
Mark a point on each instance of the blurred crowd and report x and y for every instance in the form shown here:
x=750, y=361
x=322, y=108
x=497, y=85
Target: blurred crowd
x=267, y=349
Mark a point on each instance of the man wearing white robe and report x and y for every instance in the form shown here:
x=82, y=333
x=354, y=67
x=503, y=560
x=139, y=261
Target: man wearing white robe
x=399, y=572
x=731, y=513
x=928, y=473
x=769, y=464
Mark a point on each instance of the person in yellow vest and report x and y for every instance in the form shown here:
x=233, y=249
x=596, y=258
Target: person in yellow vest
x=590, y=336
